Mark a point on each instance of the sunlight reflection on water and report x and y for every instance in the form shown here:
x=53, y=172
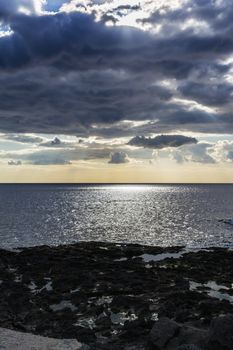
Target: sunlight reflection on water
x=162, y=215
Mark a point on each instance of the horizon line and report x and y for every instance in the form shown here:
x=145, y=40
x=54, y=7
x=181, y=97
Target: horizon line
x=113, y=183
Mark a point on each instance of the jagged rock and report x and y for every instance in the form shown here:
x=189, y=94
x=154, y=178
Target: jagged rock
x=221, y=333
x=83, y=277
x=189, y=335
x=162, y=332
x=169, y=335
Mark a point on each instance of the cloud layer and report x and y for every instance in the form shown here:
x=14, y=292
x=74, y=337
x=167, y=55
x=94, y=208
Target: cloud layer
x=106, y=71
x=73, y=74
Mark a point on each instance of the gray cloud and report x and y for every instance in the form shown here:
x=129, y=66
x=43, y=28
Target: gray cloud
x=161, y=141
x=56, y=142
x=230, y=155
x=108, y=18
x=58, y=155
x=208, y=94
x=74, y=75
x=216, y=15
x=118, y=12
x=14, y=162
x=22, y=138
x=127, y=8
x=49, y=158
x=118, y=158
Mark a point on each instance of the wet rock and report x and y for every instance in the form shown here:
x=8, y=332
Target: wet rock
x=221, y=333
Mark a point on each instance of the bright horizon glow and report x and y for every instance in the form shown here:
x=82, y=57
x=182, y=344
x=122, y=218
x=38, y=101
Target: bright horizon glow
x=116, y=174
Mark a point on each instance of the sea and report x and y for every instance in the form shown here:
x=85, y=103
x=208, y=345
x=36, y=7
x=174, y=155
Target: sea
x=158, y=215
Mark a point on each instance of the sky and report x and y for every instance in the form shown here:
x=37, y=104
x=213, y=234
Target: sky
x=116, y=91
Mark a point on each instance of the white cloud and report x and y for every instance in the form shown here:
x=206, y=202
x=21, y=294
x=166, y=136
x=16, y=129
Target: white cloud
x=65, y=151
x=222, y=151
x=202, y=152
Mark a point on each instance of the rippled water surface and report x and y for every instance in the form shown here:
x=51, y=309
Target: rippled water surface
x=147, y=214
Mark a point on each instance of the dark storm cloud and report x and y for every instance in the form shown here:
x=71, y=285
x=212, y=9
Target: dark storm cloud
x=9, y=8
x=72, y=41
x=47, y=101
x=76, y=41
x=74, y=75
x=216, y=14
x=208, y=94
x=161, y=141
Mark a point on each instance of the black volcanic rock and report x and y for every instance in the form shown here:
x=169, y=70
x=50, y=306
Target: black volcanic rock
x=162, y=333
x=221, y=333
x=168, y=335
x=113, y=296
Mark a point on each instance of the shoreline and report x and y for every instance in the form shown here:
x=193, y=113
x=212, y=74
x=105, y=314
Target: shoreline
x=144, y=246
x=110, y=295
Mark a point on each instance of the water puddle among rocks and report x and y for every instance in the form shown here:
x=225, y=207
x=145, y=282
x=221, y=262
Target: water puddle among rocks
x=104, y=300
x=160, y=257
x=34, y=288
x=48, y=286
x=121, y=317
x=75, y=290
x=64, y=304
x=121, y=259
x=154, y=316
x=86, y=322
x=18, y=279
x=147, y=258
x=213, y=289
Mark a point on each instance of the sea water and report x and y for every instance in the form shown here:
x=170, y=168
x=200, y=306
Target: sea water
x=161, y=215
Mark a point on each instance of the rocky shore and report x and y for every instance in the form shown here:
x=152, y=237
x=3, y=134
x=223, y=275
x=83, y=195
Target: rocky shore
x=118, y=296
